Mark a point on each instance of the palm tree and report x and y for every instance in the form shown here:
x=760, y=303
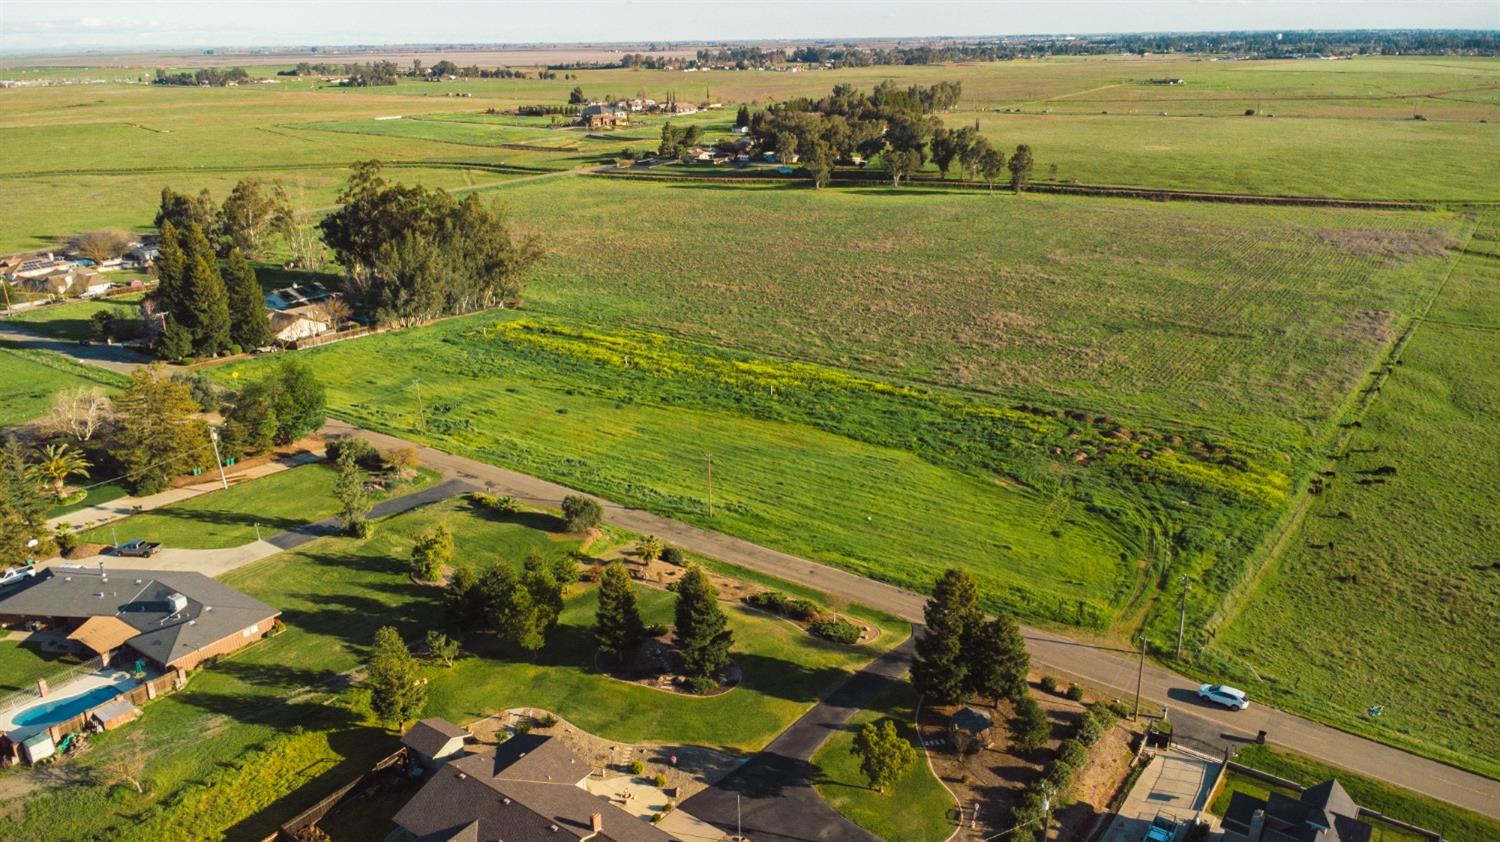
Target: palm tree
x=60, y=461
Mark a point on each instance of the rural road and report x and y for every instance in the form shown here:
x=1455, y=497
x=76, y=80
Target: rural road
x=771, y=797
x=113, y=357
x=1103, y=667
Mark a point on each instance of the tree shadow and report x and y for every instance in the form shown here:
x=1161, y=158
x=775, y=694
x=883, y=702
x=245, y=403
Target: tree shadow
x=360, y=748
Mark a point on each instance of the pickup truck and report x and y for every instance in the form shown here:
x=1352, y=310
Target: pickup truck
x=137, y=549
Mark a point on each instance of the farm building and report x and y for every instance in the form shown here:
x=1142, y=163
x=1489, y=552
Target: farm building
x=173, y=619
x=525, y=788
x=298, y=323
x=434, y=741
x=603, y=116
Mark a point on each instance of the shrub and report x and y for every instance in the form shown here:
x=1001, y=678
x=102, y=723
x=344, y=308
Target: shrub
x=503, y=505
x=1049, y=684
x=791, y=607
x=672, y=555
x=660, y=781
x=1119, y=709
x=1030, y=727
x=67, y=541
x=701, y=685
x=1094, y=722
x=637, y=767
x=1075, y=692
x=364, y=453
x=546, y=720
x=580, y=513
x=650, y=548
x=1072, y=753
x=360, y=528
x=835, y=629
x=656, y=629
x=235, y=350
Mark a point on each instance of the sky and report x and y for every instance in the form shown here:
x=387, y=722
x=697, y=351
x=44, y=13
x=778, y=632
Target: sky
x=125, y=25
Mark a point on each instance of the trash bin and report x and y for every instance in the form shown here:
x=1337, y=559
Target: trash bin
x=1260, y=738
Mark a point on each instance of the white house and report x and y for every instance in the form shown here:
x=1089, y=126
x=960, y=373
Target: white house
x=298, y=323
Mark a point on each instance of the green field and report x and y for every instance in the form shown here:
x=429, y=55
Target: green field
x=1387, y=593
x=32, y=376
x=70, y=320
x=917, y=808
x=88, y=156
x=237, y=515
x=203, y=763
x=1454, y=823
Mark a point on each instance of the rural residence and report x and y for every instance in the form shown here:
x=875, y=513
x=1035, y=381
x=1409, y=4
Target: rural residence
x=1323, y=813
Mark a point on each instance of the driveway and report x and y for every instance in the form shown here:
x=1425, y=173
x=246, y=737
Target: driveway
x=1101, y=666
x=771, y=797
x=1176, y=784
x=113, y=357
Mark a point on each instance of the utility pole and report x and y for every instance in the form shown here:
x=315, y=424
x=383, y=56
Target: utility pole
x=710, y=485
x=1140, y=671
x=1182, y=616
x=213, y=436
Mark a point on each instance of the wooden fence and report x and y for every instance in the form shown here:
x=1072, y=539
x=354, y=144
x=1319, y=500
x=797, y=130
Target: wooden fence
x=138, y=695
x=394, y=763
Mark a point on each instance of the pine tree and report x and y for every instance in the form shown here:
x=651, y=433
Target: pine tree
x=203, y=305
x=171, y=265
x=397, y=694
x=546, y=593
x=617, y=624
x=703, y=635
x=1029, y=728
x=249, y=325
x=176, y=342
x=22, y=507
x=160, y=435
x=349, y=490
x=997, y=660
x=952, y=614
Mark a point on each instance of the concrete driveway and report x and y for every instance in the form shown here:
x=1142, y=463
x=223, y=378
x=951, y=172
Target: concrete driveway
x=1176, y=784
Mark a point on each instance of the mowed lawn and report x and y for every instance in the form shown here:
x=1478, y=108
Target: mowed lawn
x=29, y=377
x=334, y=594
x=72, y=320
x=1387, y=595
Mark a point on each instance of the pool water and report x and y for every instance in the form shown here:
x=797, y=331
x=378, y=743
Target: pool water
x=65, y=709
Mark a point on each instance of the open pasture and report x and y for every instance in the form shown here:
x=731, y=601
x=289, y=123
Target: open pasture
x=29, y=377
x=1386, y=595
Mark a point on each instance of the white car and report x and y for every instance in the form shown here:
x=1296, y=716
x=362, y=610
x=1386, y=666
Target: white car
x=1226, y=696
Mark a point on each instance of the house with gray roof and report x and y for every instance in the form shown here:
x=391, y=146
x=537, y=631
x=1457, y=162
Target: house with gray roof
x=174, y=619
x=434, y=741
x=527, y=789
x=1323, y=813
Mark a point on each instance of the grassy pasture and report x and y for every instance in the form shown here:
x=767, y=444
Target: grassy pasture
x=285, y=694
x=70, y=320
x=31, y=376
x=1386, y=595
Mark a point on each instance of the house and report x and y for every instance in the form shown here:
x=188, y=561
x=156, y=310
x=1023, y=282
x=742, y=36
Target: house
x=297, y=295
x=39, y=265
x=1323, y=813
x=298, y=322
x=434, y=742
x=67, y=279
x=173, y=619
x=143, y=255
x=601, y=116
x=526, y=788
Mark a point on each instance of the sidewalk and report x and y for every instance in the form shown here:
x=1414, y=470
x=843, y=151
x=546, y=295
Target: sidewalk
x=209, y=482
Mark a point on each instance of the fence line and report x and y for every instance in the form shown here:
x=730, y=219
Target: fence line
x=317, y=812
x=11, y=702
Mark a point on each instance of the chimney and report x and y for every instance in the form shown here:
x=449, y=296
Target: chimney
x=597, y=821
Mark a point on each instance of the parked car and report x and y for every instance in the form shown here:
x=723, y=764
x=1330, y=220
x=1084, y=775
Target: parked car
x=1222, y=695
x=137, y=549
x=1162, y=829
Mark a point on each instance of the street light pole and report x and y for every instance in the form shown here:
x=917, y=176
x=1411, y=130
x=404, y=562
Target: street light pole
x=1182, y=616
x=213, y=436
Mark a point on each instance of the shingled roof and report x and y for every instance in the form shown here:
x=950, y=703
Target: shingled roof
x=525, y=790
x=174, y=613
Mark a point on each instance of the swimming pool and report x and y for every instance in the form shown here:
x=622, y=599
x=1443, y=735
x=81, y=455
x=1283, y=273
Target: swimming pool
x=65, y=709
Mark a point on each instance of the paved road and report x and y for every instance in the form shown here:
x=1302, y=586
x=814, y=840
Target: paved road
x=771, y=797
x=113, y=357
x=1103, y=667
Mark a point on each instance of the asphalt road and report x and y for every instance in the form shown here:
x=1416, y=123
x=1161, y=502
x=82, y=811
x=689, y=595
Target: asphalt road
x=771, y=797
x=1103, y=667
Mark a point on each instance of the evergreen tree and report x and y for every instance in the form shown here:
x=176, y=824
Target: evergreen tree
x=1020, y=168
x=884, y=755
x=176, y=342
x=22, y=507
x=703, y=635
x=160, y=435
x=171, y=266
x=1029, y=727
x=997, y=660
x=742, y=117
x=349, y=489
x=951, y=615
x=462, y=611
x=546, y=593
x=397, y=694
x=617, y=625
x=203, y=305
x=249, y=323
x=250, y=421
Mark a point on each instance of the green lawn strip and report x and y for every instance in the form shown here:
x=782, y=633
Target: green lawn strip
x=31, y=376
x=1362, y=610
x=918, y=807
x=71, y=320
x=334, y=594
x=1455, y=823
x=22, y=665
x=229, y=518
x=95, y=495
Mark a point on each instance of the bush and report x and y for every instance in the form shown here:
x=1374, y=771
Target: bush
x=1119, y=709
x=546, y=720
x=364, y=453
x=1073, y=754
x=656, y=629
x=637, y=767
x=660, y=781
x=1049, y=684
x=650, y=548
x=360, y=528
x=673, y=556
x=235, y=350
x=701, y=685
x=835, y=629
x=67, y=540
x=503, y=505
x=1030, y=728
x=1094, y=722
x=580, y=513
x=1075, y=692
x=791, y=607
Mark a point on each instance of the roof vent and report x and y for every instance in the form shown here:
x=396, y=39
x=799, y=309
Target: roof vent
x=554, y=828
x=505, y=801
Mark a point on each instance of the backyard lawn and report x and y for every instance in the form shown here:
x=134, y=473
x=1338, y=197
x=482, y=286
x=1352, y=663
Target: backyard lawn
x=22, y=665
x=916, y=809
x=289, y=694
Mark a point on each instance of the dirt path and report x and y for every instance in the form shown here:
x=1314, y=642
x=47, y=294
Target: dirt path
x=1104, y=667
